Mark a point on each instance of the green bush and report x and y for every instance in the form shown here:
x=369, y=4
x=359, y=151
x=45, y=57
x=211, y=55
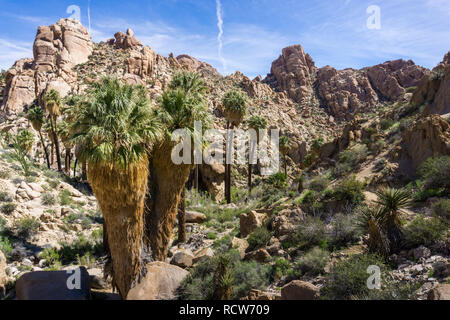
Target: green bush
x=313, y=262
x=245, y=275
x=5, y=197
x=70, y=252
x=309, y=233
x=65, y=198
x=278, y=180
x=441, y=210
x=259, y=238
x=354, y=156
x=8, y=208
x=280, y=268
x=344, y=230
x=48, y=199
x=386, y=124
x=5, y=246
x=349, y=190
x=27, y=227
x=436, y=173
x=348, y=278
x=423, y=231
x=319, y=183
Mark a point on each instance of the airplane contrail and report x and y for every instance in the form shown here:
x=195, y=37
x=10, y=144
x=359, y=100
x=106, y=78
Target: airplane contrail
x=219, y=36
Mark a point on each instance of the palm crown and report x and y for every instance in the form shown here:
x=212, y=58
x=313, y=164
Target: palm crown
x=36, y=116
x=115, y=124
x=235, y=105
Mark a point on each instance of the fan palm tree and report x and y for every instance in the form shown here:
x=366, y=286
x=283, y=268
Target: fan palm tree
x=256, y=123
x=53, y=103
x=36, y=117
x=116, y=127
x=285, y=147
x=25, y=140
x=235, y=107
x=178, y=109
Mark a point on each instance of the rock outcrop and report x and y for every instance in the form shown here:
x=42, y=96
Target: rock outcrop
x=434, y=89
x=3, y=277
x=299, y=290
x=293, y=72
x=193, y=64
x=56, y=50
x=428, y=137
x=125, y=41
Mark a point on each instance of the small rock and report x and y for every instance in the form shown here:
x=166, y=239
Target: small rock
x=203, y=253
x=27, y=262
x=195, y=217
x=440, y=292
x=299, y=290
x=183, y=259
x=260, y=255
x=240, y=244
x=422, y=252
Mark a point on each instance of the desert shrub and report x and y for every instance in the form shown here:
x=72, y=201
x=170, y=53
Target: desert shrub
x=348, y=278
x=259, y=238
x=386, y=123
x=65, y=198
x=309, y=233
x=411, y=89
x=245, y=275
x=48, y=199
x=278, y=180
x=5, y=246
x=211, y=235
x=70, y=252
x=349, y=190
x=5, y=197
x=4, y=174
x=27, y=227
x=441, y=210
x=392, y=291
x=51, y=256
x=423, y=231
x=344, y=230
x=313, y=262
x=354, y=156
x=436, y=173
x=319, y=183
x=281, y=267
x=8, y=208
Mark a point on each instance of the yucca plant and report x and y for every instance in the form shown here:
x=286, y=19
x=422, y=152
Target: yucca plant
x=256, y=123
x=36, y=117
x=53, y=104
x=285, y=147
x=235, y=108
x=116, y=127
x=223, y=279
x=178, y=109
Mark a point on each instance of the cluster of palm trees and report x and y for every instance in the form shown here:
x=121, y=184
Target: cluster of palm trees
x=125, y=144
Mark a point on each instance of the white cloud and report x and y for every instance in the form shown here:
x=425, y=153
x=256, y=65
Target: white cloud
x=11, y=52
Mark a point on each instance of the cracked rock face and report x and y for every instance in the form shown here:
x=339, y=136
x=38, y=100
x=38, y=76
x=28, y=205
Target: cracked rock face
x=56, y=50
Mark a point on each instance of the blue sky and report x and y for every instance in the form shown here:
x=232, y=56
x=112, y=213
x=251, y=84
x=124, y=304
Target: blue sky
x=333, y=32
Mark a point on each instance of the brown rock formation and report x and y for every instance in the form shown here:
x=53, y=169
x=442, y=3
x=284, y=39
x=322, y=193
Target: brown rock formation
x=428, y=137
x=126, y=41
x=192, y=64
x=434, y=89
x=293, y=72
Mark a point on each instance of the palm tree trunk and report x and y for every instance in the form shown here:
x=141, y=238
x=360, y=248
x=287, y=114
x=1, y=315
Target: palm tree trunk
x=166, y=185
x=52, y=150
x=182, y=218
x=121, y=195
x=75, y=168
x=55, y=137
x=67, y=162
x=83, y=171
x=249, y=179
x=45, y=149
x=285, y=165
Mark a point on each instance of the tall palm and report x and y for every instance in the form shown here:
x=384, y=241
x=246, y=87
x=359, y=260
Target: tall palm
x=192, y=84
x=48, y=129
x=178, y=109
x=36, y=117
x=235, y=107
x=115, y=128
x=285, y=147
x=53, y=104
x=256, y=123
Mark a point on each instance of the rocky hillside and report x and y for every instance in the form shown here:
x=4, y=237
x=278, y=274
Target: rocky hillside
x=353, y=133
